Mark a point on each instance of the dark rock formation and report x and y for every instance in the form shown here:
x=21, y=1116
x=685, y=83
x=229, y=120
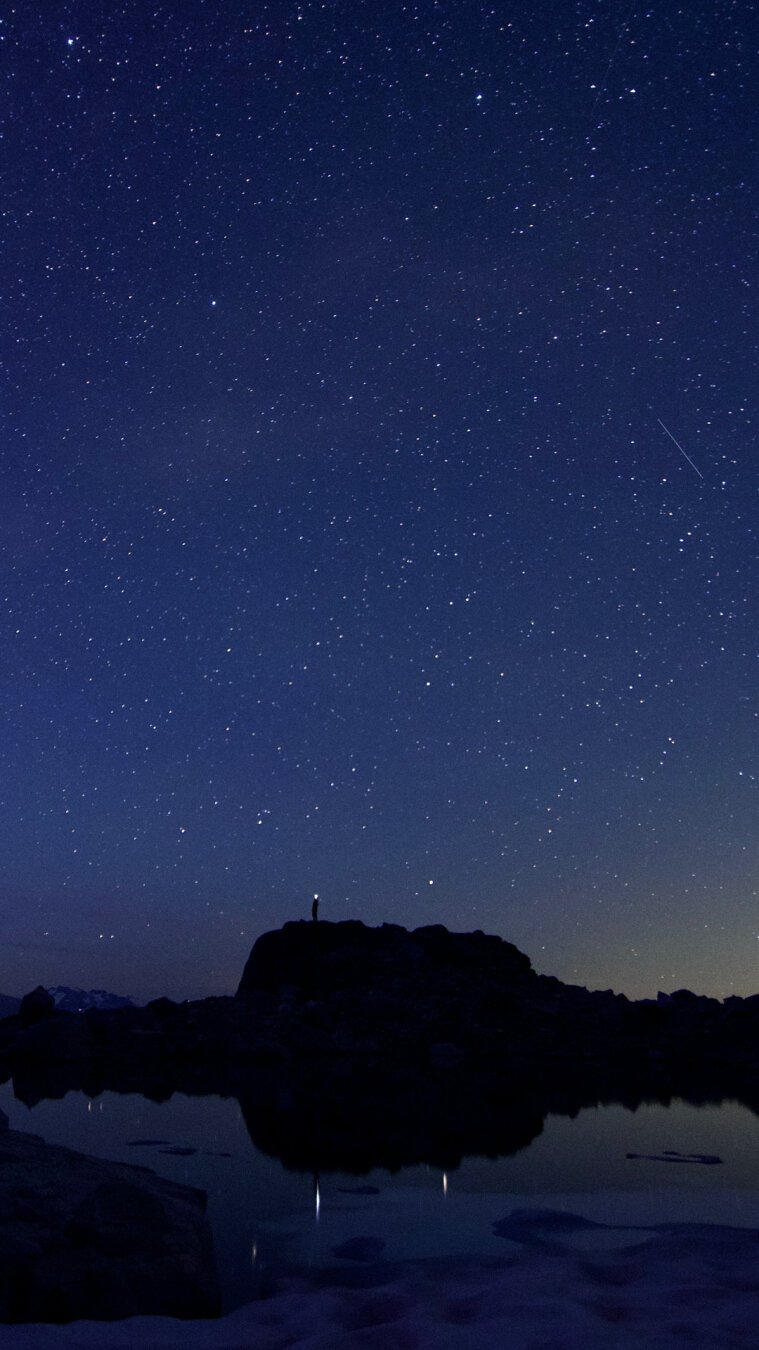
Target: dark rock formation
x=84, y=1238
x=329, y=958
x=359, y=1249
x=36, y=1005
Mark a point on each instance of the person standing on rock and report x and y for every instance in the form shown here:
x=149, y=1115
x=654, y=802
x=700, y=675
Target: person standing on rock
x=315, y=909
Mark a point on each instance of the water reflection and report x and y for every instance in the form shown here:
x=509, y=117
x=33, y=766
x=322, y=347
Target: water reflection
x=268, y=1217
x=386, y=1121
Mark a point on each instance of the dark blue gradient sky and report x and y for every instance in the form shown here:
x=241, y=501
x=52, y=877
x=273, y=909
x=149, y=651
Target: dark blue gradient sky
x=379, y=475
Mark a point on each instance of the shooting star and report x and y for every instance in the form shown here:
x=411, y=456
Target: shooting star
x=680, y=448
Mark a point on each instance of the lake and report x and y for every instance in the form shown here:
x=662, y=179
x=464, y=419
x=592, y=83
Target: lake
x=267, y=1219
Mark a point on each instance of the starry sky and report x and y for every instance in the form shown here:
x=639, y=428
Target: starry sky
x=379, y=478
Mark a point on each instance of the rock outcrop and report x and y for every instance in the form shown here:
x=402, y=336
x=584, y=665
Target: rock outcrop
x=324, y=959
x=80, y=1237
x=35, y=1006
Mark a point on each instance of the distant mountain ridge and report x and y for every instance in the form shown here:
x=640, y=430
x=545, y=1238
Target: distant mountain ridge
x=79, y=1000
x=71, y=1000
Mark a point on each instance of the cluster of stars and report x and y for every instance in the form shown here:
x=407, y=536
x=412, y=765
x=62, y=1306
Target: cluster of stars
x=378, y=476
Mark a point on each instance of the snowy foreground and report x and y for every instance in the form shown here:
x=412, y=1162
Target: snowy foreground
x=563, y=1283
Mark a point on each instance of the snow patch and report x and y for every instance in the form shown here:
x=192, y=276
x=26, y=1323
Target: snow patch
x=564, y=1283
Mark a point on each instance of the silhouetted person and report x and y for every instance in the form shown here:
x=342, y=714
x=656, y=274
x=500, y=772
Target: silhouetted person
x=315, y=909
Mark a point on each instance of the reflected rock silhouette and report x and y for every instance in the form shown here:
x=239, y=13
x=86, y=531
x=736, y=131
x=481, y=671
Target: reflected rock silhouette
x=379, y=1126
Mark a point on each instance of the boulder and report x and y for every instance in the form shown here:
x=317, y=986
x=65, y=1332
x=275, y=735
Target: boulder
x=83, y=1238
x=35, y=1006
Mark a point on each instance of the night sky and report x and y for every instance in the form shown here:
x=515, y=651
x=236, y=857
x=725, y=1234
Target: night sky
x=379, y=480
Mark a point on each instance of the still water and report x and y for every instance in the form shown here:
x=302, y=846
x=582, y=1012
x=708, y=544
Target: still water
x=266, y=1218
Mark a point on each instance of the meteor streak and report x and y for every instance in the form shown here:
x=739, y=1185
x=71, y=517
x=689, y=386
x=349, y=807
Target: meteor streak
x=680, y=448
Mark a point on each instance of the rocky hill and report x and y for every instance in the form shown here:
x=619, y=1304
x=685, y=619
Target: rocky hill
x=325, y=959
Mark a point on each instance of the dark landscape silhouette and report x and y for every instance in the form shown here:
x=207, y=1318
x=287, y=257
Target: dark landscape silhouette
x=349, y=1048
